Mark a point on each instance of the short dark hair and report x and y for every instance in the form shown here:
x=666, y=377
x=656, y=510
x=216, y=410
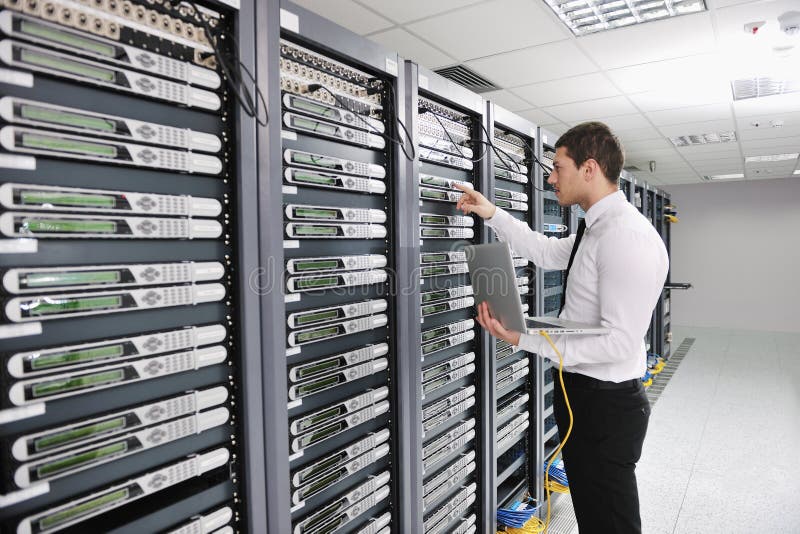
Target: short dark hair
x=594, y=140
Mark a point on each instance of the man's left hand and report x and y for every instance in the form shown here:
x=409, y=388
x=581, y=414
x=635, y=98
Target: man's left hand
x=493, y=325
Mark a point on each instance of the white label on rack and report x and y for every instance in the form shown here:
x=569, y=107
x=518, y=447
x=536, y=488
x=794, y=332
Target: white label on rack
x=24, y=495
x=15, y=77
x=19, y=246
x=291, y=243
x=391, y=66
x=23, y=163
x=423, y=81
x=292, y=351
x=294, y=297
x=289, y=190
x=21, y=412
x=290, y=21
x=291, y=136
x=8, y=331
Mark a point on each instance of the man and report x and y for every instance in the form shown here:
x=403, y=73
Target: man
x=616, y=267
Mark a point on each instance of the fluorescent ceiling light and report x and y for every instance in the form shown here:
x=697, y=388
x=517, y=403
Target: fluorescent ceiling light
x=725, y=176
x=703, y=139
x=772, y=157
x=761, y=86
x=590, y=16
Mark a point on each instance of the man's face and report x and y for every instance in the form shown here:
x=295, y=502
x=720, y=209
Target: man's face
x=566, y=179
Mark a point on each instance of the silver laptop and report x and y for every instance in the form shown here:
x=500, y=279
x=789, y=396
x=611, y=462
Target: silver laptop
x=494, y=281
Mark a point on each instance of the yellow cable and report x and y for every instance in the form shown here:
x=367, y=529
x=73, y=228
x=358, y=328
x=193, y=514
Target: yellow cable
x=569, y=429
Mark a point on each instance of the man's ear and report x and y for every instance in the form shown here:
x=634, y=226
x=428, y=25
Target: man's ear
x=590, y=169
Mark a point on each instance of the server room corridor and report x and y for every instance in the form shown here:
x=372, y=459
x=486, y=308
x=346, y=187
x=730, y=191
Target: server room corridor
x=720, y=453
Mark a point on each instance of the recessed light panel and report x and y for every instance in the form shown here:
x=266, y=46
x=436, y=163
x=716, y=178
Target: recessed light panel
x=591, y=16
x=726, y=176
x=703, y=139
x=771, y=158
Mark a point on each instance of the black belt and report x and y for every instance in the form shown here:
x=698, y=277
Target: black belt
x=587, y=382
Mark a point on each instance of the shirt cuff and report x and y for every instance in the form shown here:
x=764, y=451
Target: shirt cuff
x=531, y=343
x=500, y=216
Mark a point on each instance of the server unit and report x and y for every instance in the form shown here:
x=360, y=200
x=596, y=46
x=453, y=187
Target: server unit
x=123, y=374
x=517, y=444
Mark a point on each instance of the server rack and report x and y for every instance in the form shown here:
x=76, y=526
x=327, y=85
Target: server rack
x=626, y=181
x=665, y=226
x=339, y=305
x=456, y=408
x=518, y=447
x=126, y=178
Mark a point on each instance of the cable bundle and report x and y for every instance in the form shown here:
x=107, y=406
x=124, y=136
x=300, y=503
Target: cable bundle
x=516, y=516
x=655, y=363
x=557, y=477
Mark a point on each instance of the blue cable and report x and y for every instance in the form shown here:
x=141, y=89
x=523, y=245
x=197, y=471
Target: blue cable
x=517, y=515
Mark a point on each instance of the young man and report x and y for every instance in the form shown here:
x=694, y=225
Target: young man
x=616, y=266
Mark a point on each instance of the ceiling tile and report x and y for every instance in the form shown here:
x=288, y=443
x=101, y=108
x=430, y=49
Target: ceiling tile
x=764, y=133
x=717, y=149
x=408, y=10
x=637, y=133
x=555, y=128
x=778, y=145
x=504, y=69
x=660, y=74
x=507, y=100
x=413, y=48
x=623, y=123
x=688, y=95
x=643, y=145
x=580, y=111
x=680, y=115
x=566, y=90
x=537, y=116
x=760, y=123
x=347, y=13
x=789, y=103
x=722, y=162
x=664, y=39
x=491, y=28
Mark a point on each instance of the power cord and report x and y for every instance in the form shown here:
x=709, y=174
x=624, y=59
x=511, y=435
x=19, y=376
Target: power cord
x=233, y=74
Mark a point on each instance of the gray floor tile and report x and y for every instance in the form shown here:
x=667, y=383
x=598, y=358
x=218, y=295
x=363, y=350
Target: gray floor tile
x=661, y=492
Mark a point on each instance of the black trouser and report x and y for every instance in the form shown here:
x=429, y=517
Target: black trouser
x=600, y=457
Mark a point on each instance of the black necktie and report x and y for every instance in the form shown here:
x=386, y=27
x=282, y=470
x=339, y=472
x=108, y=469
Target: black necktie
x=578, y=237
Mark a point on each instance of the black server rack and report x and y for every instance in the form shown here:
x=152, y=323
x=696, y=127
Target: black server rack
x=341, y=280
x=122, y=191
x=649, y=209
x=517, y=444
x=666, y=217
x=455, y=390
x=626, y=185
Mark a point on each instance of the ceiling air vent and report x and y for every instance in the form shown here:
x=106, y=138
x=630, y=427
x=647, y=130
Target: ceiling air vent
x=758, y=87
x=468, y=78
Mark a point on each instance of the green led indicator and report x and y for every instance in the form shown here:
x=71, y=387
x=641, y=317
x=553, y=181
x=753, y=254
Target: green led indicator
x=54, y=387
x=69, y=39
x=316, y=265
x=427, y=310
x=436, y=332
x=317, y=317
x=68, y=226
x=503, y=203
x=436, y=295
x=321, y=466
x=439, y=369
x=320, y=418
x=434, y=219
x=73, y=512
x=317, y=368
x=311, y=283
x=72, y=462
x=317, y=334
x=74, y=435
x=68, y=66
x=307, y=389
x=59, y=359
x=313, y=213
x=314, y=108
x=433, y=180
x=315, y=230
x=313, y=159
x=314, y=126
x=502, y=194
x=70, y=279
x=434, y=232
x=433, y=258
x=321, y=434
x=432, y=271
x=67, y=118
x=81, y=200
x=66, y=305
x=438, y=195
x=314, y=179
x=320, y=484
x=427, y=388
x=57, y=144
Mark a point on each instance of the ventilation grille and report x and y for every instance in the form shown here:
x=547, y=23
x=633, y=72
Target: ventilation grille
x=661, y=380
x=759, y=87
x=468, y=78
x=703, y=139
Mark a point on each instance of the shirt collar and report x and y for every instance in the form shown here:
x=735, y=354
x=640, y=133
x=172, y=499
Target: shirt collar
x=602, y=206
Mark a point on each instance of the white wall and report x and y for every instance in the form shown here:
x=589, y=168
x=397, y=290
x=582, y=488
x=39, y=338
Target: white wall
x=738, y=243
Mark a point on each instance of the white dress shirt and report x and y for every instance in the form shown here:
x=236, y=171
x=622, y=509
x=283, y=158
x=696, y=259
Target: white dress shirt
x=615, y=281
